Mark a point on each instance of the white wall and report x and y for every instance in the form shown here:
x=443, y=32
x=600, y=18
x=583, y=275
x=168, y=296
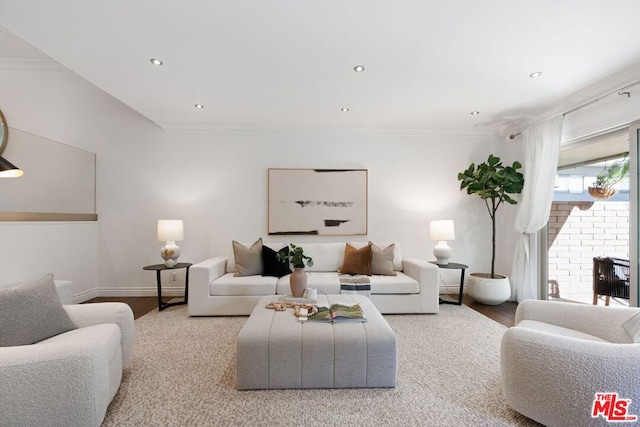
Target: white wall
x=217, y=182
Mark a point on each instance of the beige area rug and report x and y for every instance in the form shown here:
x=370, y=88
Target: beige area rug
x=183, y=374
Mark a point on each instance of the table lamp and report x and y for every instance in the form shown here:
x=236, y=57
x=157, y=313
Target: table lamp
x=442, y=231
x=170, y=231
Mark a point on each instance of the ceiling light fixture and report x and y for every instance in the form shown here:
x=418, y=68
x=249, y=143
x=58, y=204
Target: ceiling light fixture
x=475, y=113
x=358, y=68
x=156, y=61
x=535, y=75
x=199, y=106
x=344, y=109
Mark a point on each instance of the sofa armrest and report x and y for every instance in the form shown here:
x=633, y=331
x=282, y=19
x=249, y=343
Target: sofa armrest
x=65, y=382
x=202, y=274
x=425, y=273
x=603, y=322
x=83, y=315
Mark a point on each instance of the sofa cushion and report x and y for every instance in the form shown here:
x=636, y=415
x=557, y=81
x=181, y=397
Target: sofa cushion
x=382, y=260
x=231, y=285
x=326, y=256
x=557, y=330
x=272, y=265
x=400, y=284
x=32, y=312
x=356, y=261
x=324, y=282
x=248, y=260
x=397, y=256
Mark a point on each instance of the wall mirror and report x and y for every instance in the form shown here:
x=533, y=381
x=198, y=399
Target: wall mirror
x=59, y=181
x=5, y=132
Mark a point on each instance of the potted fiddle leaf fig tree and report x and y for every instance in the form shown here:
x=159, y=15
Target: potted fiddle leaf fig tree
x=494, y=183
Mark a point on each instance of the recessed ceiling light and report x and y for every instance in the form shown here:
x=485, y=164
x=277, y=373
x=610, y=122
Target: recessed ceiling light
x=199, y=106
x=344, y=109
x=475, y=113
x=535, y=75
x=358, y=68
x=156, y=61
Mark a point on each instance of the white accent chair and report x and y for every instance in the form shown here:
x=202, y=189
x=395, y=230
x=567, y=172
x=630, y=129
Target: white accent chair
x=559, y=355
x=68, y=379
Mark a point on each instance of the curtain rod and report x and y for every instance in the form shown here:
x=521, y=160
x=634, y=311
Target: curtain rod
x=621, y=91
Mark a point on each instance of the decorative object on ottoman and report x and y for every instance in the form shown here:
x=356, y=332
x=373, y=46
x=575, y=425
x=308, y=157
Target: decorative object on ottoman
x=298, y=279
x=170, y=231
x=494, y=183
x=441, y=231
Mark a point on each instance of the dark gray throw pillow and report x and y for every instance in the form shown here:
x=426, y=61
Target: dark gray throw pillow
x=272, y=265
x=32, y=312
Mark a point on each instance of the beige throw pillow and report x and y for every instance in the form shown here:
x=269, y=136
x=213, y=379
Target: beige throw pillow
x=382, y=260
x=356, y=261
x=248, y=260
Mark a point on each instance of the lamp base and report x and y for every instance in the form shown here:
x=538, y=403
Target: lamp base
x=170, y=253
x=442, y=252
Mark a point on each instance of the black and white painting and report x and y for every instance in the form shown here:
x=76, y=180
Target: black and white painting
x=318, y=201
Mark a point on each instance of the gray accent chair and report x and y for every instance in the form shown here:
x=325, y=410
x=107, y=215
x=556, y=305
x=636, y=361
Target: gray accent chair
x=68, y=379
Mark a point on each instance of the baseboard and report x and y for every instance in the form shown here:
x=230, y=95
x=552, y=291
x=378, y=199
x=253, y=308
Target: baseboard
x=85, y=296
x=140, y=292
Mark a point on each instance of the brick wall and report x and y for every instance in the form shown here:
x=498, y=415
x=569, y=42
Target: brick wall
x=579, y=231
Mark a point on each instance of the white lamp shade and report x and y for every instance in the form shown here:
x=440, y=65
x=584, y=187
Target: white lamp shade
x=170, y=230
x=442, y=230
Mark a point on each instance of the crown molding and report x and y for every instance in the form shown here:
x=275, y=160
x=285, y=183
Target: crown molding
x=429, y=132
x=29, y=64
x=586, y=95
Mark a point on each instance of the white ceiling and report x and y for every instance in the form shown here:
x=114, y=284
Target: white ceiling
x=288, y=64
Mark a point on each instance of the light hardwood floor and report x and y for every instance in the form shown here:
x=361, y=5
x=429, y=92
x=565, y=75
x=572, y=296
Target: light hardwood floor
x=503, y=313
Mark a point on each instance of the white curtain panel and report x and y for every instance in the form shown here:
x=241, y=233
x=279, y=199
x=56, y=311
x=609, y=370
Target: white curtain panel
x=541, y=147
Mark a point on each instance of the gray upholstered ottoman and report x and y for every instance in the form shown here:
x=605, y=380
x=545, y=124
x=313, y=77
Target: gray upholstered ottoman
x=275, y=351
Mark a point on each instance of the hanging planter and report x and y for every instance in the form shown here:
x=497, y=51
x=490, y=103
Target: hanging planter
x=605, y=180
x=602, y=193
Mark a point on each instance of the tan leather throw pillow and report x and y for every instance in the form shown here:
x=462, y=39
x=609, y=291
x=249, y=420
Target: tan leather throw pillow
x=356, y=261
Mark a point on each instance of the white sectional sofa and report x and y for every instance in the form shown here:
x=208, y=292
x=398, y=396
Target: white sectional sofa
x=215, y=291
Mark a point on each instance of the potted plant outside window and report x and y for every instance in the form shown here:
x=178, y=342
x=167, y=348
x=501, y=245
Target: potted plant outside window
x=603, y=186
x=494, y=183
x=296, y=257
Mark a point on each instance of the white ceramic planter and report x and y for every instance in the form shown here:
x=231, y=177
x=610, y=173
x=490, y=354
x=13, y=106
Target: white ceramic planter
x=486, y=290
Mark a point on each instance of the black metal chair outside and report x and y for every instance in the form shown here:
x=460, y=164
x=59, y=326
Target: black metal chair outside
x=610, y=278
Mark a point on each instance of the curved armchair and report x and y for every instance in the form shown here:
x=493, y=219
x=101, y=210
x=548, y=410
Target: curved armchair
x=559, y=355
x=68, y=379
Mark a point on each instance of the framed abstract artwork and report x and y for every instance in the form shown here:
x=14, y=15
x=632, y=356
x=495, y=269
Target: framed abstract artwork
x=317, y=201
